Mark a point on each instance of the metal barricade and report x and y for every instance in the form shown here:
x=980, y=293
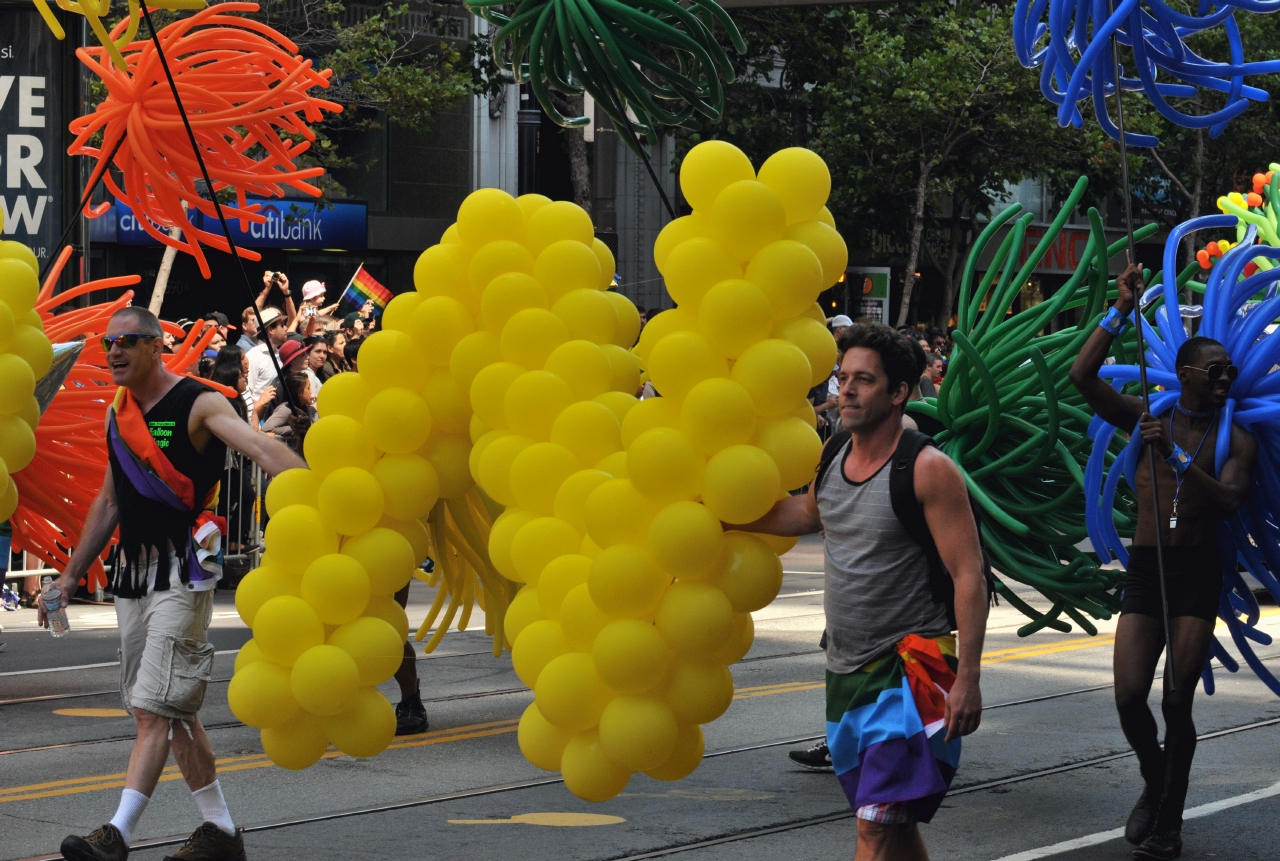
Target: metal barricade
x=240, y=502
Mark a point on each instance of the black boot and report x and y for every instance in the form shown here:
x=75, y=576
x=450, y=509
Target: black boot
x=1143, y=818
x=411, y=716
x=1162, y=845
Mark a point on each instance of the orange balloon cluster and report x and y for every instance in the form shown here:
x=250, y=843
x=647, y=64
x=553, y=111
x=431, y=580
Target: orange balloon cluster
x=246, y=93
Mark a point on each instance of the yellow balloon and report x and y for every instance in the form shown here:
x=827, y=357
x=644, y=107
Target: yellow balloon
x=588, y=430
x=825, y=216
x=777, y=375
x=259, y=695
x=615, y=464
x=450, y=236
x=30, y=343
x=583, y=365
x=814, y=340
x=345, y=394
x=569, y=692
x=478, y=450
x=806, y=413
x=364, y=728
x=530, y=336
x=588, y=771
x=296, y=744
x=687, y=540
x=790, y=275
x=664, y=466
x=625, y=582
x=30, y=413
x=747, y=216
x=589, y=548
x=399, y=310
x=501, y=536
x=494, y=259
x=521, y=612
x=489, y=214
x=751, y=575
x=292, y=487
x=541, y=742
x=6, y=327
x=18, y=251
x=437, y=325
x=717, y=413
x=472, y=354
x=531, y=203
x=505, y=295
x=336, y=587
x=385, y=608
x=568, y=265
x=412, y=531
x=624, y=371
x=617, y=513
x=538, y=645
x=390, y=359
x=619, y=403
x=558, y=577
x=386, y=556
x=588, y=314
x=684, y=228
x=476, y=428
x=488, y=392
x=794, y=447
x=537, y=543
x=709, y=168
x=249, y=653
x=571, y=499
x=695, y=618
x=628, y=327
x=733, y=316
x=608, y=265
x=694, y=267
x=739, y=642
x=261, y=585
x=297, y=535
x=686, y=757
x=558, y=220
x=325, y=680
x=630, y=655
x=441, y=270
x=448, y=455
x=337, y=441
x=375, y=646
x=779, y=544
x=581, y=619
x=533, y=401
x=9, y=498
x=350, y=500
x=19, y=288
x=699, y=691
x=17, y=443
x=450, y=405
x=537, y=473
x=800, y=178
x=824, y=241
x=18, y=383
x=285, y=627
x=741, y=484
x=649, y=414
x=662, y=325
x=638, y=732
x=682, y=360
x=398, y=420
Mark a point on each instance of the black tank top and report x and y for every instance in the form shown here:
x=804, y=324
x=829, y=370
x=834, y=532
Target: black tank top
x=148, y=528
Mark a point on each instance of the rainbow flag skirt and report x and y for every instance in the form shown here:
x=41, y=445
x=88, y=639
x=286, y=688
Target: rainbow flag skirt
x=885, y=727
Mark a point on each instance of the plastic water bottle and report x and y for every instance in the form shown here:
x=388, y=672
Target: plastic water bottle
x=54, y=608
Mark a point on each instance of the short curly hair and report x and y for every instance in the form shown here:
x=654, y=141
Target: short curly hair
x=901, y=357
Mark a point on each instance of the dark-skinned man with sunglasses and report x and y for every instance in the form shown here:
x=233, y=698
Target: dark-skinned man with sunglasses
x=167, y=438
x=1195, y=493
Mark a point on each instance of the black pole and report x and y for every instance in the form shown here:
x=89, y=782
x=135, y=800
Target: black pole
x=1142, y=354
x=217, y=207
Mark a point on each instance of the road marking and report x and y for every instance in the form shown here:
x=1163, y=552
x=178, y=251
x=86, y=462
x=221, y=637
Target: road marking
x=1107, y=836
x=704, y=794
x=101, y=713
x=1039, y=649
x=556, y=820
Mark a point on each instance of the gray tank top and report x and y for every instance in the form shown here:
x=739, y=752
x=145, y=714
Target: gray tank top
x=877, y=577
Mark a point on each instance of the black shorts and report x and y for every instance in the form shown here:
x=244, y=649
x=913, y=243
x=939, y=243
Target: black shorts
x=1193, y=578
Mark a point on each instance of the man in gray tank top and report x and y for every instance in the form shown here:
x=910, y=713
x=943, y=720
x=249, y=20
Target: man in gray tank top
x=901, y=690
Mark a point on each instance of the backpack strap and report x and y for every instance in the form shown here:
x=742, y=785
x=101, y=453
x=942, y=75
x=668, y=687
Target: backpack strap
x=830, y=452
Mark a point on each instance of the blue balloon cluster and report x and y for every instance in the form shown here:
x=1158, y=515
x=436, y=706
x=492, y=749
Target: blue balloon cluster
x=1155, y=33
x=1233, y=315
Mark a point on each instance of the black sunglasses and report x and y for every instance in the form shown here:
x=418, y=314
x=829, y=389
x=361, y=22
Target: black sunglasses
x=127, y=342
x=1217, y=371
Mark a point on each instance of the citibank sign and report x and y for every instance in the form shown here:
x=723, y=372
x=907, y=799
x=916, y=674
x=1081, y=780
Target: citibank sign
x=290, y=224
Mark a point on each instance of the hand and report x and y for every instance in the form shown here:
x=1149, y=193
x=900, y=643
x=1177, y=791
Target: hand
x=267, y=280
x=367, y=310
x=964, y=708
x=1154, y=433
x=284, y=283
x=300, y=424
x=65, y=586
x=268, y=395
x=1129, y=285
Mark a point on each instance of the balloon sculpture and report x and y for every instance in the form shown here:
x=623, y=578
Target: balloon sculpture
x=1240, y=307
x=1077, y=61
x=95, y=12
x=247, y=94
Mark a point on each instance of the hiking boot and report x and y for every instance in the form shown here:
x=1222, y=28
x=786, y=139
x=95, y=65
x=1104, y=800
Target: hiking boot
x=1161, y=846
x=210, y=843
x=1142, y=821
x=411, y=716
x=816, y=758
x=105, y=844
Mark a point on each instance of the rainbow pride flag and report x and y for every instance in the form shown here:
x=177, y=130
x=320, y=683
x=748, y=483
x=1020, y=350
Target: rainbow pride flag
x=365, y=288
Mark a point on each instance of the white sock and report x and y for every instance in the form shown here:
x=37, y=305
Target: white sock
x=132, y=803
x=213, y=807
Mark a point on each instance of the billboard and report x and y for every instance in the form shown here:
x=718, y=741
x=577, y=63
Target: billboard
x=300, y=224
x=30, y=130
x=869, y=293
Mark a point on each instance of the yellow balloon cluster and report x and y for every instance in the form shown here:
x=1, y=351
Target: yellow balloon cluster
x=25, y=357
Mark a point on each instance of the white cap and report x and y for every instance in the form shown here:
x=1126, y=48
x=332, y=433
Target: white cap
x=311, y=290
x=841, y=320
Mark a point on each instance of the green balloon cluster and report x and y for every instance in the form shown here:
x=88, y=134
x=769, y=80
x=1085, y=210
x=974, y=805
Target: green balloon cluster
x=1017, y=427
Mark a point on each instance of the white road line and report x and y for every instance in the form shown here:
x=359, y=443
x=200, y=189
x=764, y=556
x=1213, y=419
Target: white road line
x=88, y=666
x=1105, y=836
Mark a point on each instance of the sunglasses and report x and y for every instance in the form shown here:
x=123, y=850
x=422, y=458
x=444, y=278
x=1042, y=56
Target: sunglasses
x=1217, y=371
x=126, y=342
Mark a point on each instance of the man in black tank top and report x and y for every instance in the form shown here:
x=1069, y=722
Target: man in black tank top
x=1192, y=501
x=164, y=601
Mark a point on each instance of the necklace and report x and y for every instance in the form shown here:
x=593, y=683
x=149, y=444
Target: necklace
x=1173, y=518
x=1191, y=414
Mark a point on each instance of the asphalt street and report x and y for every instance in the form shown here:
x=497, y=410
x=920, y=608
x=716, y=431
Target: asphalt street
x=1047, y=775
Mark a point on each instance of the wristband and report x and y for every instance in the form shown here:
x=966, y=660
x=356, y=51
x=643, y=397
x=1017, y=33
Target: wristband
x=1114, y=322
x=1179, y=460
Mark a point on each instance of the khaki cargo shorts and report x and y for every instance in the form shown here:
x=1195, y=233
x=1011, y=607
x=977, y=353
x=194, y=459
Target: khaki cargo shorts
x=166, y=659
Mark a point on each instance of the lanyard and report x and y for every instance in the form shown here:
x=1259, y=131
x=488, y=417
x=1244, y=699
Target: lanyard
x=1178, y=477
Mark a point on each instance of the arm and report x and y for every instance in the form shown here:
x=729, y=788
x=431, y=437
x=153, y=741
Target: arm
x=1223, y=497
x=261, y=301
x=99, y=524
x=795, y=515
x=942, y=493
x=221, y=420
x=264, y=400
x=290, y=310
x=1123, y=411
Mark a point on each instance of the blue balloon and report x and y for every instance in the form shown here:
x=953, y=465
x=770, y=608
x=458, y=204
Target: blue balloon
x=1070, y=42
